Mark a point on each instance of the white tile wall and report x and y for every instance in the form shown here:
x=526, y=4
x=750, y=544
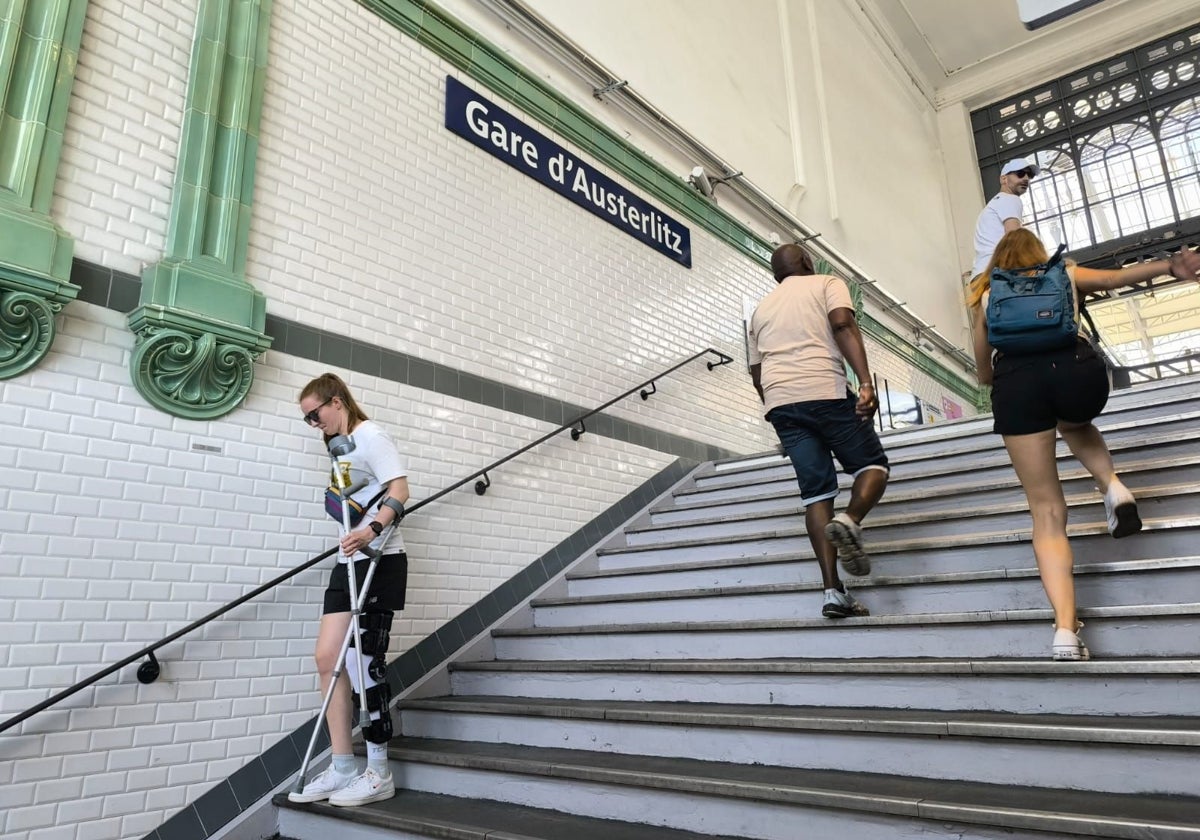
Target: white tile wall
x=368, y=200
x=116, y=531
x=122, y=136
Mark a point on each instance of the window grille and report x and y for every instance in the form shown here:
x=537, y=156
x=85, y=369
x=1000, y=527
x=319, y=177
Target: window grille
x=1119, y=146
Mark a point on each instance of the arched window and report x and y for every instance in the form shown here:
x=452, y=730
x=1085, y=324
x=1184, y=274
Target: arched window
x=1119, y=147
x=1180, y=138
x=1123, y=181
x=1054, y=206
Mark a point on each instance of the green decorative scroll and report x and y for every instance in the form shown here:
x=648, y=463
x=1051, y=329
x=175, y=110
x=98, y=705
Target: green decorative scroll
x=199, y=323
x=39, y=44
x=202, y=373
x=26, y=330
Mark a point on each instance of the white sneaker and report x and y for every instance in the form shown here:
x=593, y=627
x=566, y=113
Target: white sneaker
x=1121, y=509
x=325, y=784
x=846, y=534
x=369, y=787
x=1067, y=646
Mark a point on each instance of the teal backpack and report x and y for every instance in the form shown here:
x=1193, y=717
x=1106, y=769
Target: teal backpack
x=1032, y=310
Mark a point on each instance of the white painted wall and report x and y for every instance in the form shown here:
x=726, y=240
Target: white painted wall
x=370, y=220
x=855, y=155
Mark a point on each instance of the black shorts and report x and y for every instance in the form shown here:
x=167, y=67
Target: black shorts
x=387, y=586
x=1033, y=393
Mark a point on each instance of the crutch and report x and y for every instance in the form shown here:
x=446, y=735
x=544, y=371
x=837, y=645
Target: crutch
x=339, y=446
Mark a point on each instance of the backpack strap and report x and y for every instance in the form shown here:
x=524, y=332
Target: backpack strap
x=1057, y=258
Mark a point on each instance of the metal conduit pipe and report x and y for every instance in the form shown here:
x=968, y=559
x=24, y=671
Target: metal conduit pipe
x=613, y=89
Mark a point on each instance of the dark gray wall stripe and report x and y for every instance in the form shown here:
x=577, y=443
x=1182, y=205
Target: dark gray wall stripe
x=119, y=291
x=231, y=797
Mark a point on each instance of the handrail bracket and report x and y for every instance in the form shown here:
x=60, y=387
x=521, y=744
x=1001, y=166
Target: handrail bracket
x=149, y=670
x=724, y=359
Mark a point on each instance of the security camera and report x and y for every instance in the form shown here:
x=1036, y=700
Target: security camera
x=774, y=239
x=699, y=180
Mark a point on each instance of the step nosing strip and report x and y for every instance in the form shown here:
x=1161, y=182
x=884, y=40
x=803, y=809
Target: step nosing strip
x=874, y=725
x=1140, y=668
x=880, y=803
x=1144, y=611
x=861, y=584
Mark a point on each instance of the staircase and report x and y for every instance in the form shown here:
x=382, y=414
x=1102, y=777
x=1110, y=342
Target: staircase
x=682, y=685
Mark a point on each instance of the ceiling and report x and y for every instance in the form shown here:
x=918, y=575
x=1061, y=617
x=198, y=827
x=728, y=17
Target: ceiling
x=976, y=51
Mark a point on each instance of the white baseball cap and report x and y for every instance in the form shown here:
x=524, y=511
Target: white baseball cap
x=1017, y=164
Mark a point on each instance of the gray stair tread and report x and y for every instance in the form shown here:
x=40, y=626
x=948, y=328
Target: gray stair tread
x=1164, y=730
x=979, y=802
x=1099, y=668
x=456, y=818
x=989, y=455
x=890, y=503
x=878, y=525
x=875, y=548
x=1142, y=611
x=867, y=583
x=1070, y=471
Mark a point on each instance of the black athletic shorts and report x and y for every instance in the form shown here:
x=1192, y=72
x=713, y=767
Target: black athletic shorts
x=1033, y=393
x=387, y=586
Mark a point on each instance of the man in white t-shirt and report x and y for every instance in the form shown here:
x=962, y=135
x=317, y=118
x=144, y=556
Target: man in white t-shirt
x=1003, y=212
x=802, y=335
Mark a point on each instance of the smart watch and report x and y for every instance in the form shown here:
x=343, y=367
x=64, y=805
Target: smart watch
x=376, y=526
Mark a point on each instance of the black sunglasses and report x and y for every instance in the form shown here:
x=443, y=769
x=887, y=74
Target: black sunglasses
x=1023, y=173
x=314, y=417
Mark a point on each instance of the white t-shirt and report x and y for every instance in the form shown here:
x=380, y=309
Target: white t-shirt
x=375, y=461
x=791, y=338
x=989, y=230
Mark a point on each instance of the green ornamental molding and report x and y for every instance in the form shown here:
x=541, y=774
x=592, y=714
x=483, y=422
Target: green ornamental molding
x=466, y=50
x=199, y=323
x=39, y=45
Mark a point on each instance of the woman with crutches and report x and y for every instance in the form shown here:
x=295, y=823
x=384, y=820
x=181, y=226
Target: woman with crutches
x=367, y=467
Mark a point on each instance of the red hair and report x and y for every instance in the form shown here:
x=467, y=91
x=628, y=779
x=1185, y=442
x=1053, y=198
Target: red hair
x=1018, y=248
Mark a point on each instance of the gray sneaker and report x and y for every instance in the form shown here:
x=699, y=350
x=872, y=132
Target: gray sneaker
x=842, y=605
x=846, y=534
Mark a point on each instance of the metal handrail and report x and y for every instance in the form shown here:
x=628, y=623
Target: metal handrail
x=149, y=670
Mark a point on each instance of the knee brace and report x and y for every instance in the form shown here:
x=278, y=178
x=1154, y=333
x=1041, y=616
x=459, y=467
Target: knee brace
x=374, y=630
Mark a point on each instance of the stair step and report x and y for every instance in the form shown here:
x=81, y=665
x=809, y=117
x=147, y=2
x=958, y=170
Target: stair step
x=1136, y=630
x=1100, y=584
x=1136, y=474
x=966, y=550
x=427, y=815
x=1123, y=407
x=1174, y=438
x=1171, y=538
x=970, y=515
x=1037, y=750
x=1130, y=687
x=766, y=802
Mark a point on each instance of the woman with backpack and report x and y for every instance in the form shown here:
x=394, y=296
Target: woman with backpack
x=1038, y=391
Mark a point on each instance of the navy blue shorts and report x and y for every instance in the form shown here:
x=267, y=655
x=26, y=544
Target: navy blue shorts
x=1031, y=394
x=814, y=432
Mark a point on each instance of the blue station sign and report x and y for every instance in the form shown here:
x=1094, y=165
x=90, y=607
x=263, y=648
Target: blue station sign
x=502, y=135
